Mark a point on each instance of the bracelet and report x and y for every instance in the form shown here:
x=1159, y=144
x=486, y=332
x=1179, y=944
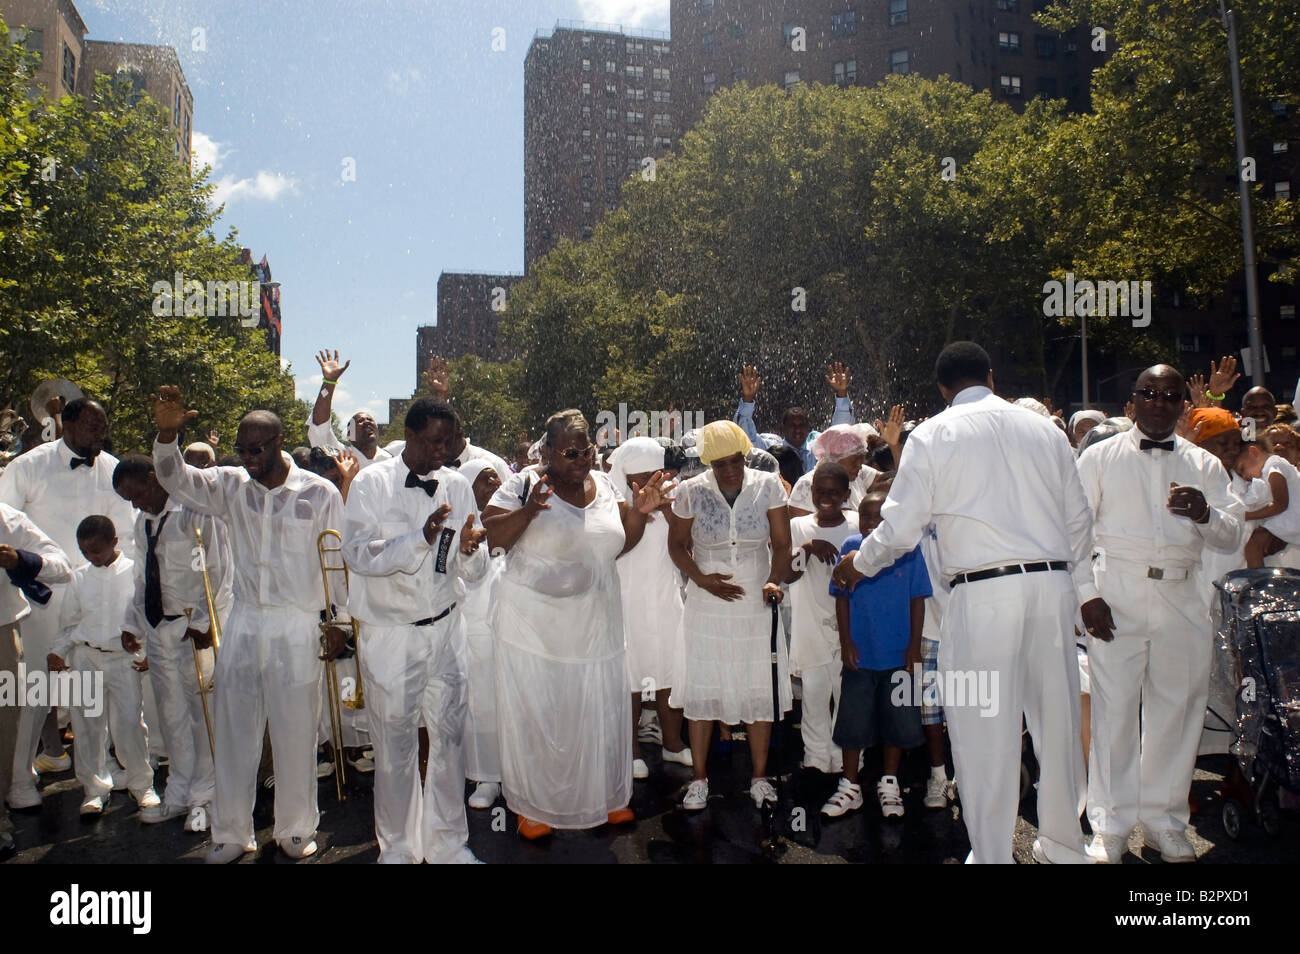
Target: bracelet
x=1216, y=397
x=327, y=383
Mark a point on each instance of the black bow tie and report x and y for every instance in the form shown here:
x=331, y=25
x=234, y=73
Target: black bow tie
x=1147, y=445
x=453, y=464
x=430, y=487
x=81, y=462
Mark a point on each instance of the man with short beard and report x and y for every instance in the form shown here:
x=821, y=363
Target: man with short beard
x=57, y=485
x=1260, y=406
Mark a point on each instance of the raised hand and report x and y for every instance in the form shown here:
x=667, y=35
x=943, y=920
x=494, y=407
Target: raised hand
x=436, y=377
x=434, y=523
x=1224, y=375
x=1184, y=428
x=330, y=368
x=55, y=405
x=537, y=498
x=470, y=537
x=891, y=430
x=749, y=383
x=169, y=413
x=653, y=495
x=348, y=466
x=837, y=378
x=1196, y=387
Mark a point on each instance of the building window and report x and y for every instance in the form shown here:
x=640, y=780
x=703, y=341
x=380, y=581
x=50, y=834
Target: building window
x=1009, y=41
x=611, y=184
x=611, y=66
x=845, y=23
x=586, y=66
x=635, y=117
x=586, y=232
x=1047, y=87
x=586, y=207
x=187, y=127
x=633, y=163
x=661, y=74
x=1282, y=189
x=662, y=142
x=846, y=73
x=636, y=140
x=710, y=83
x=791, y=79
x=586, y=89
x=1279, y=109
x=611, y=113
x=611, y=135
x=586, y=113
x=737, y=31
x=635, y=46
x=634, y=72
x=663, y=96
x=611, y=89
x=897, y=12
x=661, y=119
x=1070, y=44
x=636, y=94
x=900, y=61
x=586, y=183
x=611, y=161
x=706, y=6
x=1009, y=6
x=69, y=68
x=586, y=43
x=787, y=31
x=1045, y=46
x=707, y=42
x=1287, y=313
x=1010, y=85
x=586, y=158
x=1280, y=145
x=586, y=135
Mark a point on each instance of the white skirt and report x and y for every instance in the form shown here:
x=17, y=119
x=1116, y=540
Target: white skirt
x=482, y=753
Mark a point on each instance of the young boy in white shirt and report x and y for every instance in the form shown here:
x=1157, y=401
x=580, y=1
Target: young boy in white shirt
x=89, y=641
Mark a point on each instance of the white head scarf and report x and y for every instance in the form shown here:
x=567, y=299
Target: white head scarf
x=471, y=469
x=635, y=456
x=1078, y=416
x=1038, y=407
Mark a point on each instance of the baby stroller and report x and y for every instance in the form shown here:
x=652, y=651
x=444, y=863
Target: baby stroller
x=1257, y=622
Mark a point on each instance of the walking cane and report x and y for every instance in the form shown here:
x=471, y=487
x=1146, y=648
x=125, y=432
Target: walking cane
x=770, y=813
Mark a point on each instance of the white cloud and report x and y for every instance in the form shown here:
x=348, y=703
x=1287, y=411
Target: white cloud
x=265, y=186
x=206, y=151
x=651, y=14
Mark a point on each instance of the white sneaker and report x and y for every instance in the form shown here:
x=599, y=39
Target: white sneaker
x=94, y=805
x=46, y=763
x=161, y=812
x=936, y=792
x=1107, y=849
x=198, y=819
x=762, y=792
x=363, y=765
x=485, y=794
x=1058, y=855
x=323, y=770
x=1172, y=844
x=891, y=799
x=298, y=847
x=697, y=795
x=847, y=798
x=147, y=800
x=681, y=758
x=640, y=769
x=465, y=856
x=226, y=852
x=23, y=798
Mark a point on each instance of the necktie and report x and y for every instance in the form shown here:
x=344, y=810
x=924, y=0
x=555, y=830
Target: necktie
x=153, y=603
x=1147, y=445
x=81, y=462
x=453, y=464
x=430, y=487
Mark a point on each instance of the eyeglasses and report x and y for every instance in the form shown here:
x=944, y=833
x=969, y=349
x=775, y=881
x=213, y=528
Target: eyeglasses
x=252, y=451
x=573, y=453
x=1169, y=397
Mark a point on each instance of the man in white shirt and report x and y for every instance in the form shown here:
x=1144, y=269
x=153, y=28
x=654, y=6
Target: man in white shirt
x=167, y=615
x=1000, y=486
x=1158, y=501
x=408, y=533
x=269, y=668
x=31, y=562
x=363, y=432
x=57, y=485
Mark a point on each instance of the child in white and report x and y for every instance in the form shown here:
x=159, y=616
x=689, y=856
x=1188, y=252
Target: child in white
x=90, y=641
x=1279, y=521
x=815, y=643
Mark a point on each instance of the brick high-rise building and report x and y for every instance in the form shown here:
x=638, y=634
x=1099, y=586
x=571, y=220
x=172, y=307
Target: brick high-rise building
x=469, y=305
x=598, y=102
x=988, y=44
x=151, y=69
x=54, y=30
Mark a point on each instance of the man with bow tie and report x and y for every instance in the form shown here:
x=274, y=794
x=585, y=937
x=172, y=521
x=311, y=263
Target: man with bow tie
x=408, y=533
x=1157, y=501
x=57, y=485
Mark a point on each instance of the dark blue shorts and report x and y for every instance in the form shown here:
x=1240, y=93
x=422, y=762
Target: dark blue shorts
x=868, y=716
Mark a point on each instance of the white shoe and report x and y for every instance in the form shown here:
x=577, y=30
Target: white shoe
x=762, y=792
x=465, y=856
x=47, y=763
x=198, y=819
x=23, y=798
x=485, y=794
x=323, y=770
x=681, y=758
x=299, y=848
x=697, y=795
x=891, y=799
x=226, y=852
x=1172, y=844
x=147, y=800
x=364, y=764
x=94, y=805
x=936, y=792
x=1059, y=856
x=161, y=812
x=1107, y=849
x=640, y=769
x=847, y=798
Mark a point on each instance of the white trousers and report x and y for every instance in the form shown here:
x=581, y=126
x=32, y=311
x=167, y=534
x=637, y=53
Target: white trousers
x=120, y=717
x=268, y=670
x=1156, y=669
x=821, y=700
x=414, y=675
x=40, y=629
x=1018, y=630
x=191, y=777
x=356, y=722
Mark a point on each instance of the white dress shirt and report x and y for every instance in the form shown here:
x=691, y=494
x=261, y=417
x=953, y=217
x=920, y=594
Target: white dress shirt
x=178, y=566
x=1128, y=491
x=398, y=577
x=17, y=531
x=273, y=532
x=997, y=481
x=322, y=435
x=94, y=606
x=471, y=452
x=43, y=484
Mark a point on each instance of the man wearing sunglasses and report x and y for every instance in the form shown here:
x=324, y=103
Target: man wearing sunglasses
x=269, y=665
x=1157, y=501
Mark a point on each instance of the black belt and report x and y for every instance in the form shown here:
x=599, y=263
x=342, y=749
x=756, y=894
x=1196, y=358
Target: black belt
x=172, y=618
x=1012, y=570
x=430, y=620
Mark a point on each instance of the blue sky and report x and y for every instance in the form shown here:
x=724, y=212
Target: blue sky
x=286, y=90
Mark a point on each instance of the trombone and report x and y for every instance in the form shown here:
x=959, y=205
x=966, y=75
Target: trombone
x=216, y=640
x=334, y=697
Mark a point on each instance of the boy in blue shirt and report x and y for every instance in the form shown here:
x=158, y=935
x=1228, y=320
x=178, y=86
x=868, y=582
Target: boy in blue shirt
x=880, y=624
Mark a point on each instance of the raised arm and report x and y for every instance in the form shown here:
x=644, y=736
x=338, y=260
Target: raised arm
x=203, y=490
x=331, y=371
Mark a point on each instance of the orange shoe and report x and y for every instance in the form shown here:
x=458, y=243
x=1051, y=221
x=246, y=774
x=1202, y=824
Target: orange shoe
x=621, y=816
x=533, y=830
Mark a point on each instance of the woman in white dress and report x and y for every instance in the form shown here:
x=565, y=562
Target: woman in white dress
x=563, y=699
x=730, y=535
x=652, y=607
x=482, y=755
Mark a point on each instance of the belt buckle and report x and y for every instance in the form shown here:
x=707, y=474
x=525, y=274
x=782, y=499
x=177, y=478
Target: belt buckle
x=1155, y=573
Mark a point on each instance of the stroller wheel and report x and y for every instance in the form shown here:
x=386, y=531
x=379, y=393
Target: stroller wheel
x=1232, y=818
x=1270, y=817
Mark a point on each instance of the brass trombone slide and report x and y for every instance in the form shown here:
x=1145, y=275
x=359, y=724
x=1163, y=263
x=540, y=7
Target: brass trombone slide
x=204, y=690
x=326, y=552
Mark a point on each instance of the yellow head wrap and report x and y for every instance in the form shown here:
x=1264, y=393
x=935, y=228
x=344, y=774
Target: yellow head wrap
x=721, y=439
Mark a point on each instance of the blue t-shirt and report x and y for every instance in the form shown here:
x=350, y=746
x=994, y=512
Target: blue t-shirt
x=880, y=612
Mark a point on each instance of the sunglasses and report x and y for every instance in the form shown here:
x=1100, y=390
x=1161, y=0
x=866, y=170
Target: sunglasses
x=573, y=453
x=250, y=451
x=1169, y=397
